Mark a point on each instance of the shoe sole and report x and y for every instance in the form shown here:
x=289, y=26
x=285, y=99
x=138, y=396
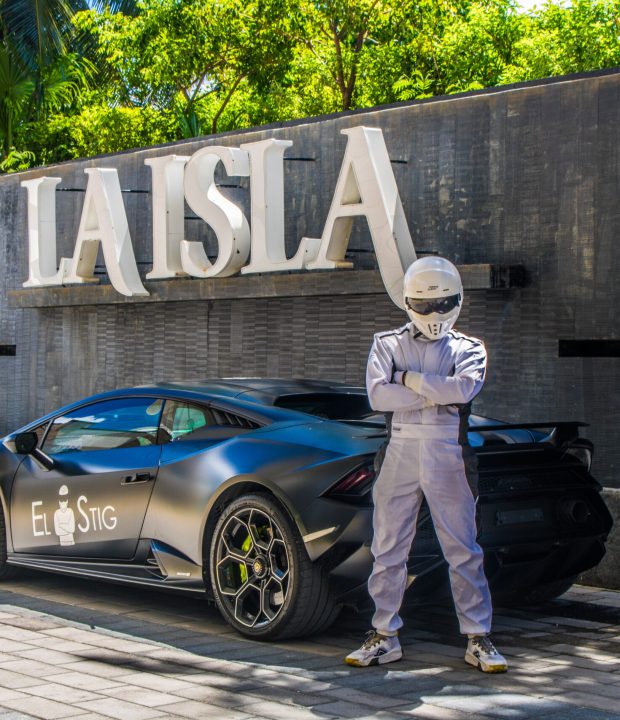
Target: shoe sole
x=389, y=657
x=484, y=667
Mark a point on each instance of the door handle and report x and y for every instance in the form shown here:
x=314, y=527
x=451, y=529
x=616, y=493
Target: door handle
x=141, y=477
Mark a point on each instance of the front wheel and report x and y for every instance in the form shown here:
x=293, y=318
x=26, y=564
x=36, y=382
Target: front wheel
x=263, y=581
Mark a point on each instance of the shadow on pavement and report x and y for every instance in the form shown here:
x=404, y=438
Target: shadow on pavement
x=563, y=655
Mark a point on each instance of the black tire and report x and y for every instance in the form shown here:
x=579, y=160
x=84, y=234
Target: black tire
x=534, y=595
x=262, y=579
x=6, y=570
x=547, y=592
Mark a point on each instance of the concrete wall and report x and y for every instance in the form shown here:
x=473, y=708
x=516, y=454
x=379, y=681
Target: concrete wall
x=607, y=572
x=526, y=175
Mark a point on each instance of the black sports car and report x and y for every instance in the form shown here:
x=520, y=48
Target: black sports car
x=259, y=492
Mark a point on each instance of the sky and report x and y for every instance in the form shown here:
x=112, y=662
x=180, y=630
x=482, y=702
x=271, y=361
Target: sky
x=529, y=4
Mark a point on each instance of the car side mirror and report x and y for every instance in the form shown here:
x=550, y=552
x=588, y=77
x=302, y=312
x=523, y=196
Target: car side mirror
x=26, y=444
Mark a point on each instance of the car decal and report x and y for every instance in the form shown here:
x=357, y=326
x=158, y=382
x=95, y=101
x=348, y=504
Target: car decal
x=64, y=518
x=91, y=518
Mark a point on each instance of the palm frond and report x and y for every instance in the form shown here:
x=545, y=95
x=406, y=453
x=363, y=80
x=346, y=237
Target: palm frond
x=39, y=29
x=16, y=90
x=127, y=7
x=61, y=83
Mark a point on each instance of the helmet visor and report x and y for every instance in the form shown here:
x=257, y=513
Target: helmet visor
x=428, y=306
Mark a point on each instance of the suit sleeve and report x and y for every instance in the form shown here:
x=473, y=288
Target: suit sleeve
x=461, y=387
x=384, y=393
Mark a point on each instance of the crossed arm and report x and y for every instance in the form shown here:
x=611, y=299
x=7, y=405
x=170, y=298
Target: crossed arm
x=390, y=390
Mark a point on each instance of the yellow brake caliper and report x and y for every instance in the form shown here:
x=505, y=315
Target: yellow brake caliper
x=243, y=571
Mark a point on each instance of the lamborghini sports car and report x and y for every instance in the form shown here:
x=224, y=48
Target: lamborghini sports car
x=258, y=492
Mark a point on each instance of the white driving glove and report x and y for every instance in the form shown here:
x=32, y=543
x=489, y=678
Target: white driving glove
x=413, y=380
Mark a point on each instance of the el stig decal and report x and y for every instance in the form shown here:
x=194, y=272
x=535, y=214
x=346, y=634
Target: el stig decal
x=91, y=518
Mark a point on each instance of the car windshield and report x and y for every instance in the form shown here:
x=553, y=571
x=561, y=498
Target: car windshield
x=348, y=407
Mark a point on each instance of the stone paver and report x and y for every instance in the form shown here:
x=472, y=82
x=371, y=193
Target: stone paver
x=72, y=649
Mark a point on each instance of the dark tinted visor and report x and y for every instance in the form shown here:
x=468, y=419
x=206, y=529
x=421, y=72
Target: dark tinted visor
x=427, y=306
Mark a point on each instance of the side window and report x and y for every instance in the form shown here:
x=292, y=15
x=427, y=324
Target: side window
x=106, y=425
x=40, y=431
x=185, y=421
x=182, y=420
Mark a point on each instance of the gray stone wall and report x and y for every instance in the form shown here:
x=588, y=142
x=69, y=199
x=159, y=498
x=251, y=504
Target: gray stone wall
x=607, y=572
x=525, y=175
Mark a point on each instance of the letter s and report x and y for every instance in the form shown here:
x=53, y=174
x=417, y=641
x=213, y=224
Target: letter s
x=86, y=528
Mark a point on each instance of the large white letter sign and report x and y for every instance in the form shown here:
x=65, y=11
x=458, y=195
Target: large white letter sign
x=367, y=186
x=267, y=203
x=104, y=220
x=42, y=233
x=168, y=215
x=228, y=222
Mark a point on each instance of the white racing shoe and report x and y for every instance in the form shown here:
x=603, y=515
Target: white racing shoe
x=481, y=653
x=376, y=650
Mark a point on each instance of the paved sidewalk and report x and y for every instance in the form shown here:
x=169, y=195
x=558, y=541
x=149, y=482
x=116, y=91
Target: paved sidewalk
x=80, y=649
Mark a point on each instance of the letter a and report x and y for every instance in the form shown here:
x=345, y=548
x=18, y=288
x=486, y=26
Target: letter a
x=104, y=221
x=366, y=186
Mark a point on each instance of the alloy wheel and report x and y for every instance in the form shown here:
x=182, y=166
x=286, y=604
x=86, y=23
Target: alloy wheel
x=252, y=567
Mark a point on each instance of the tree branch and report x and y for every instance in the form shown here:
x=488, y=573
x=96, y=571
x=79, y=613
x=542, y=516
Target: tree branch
x=225, y=103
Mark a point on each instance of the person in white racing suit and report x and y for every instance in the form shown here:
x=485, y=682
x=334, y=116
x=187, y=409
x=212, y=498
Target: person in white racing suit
x=426, y=374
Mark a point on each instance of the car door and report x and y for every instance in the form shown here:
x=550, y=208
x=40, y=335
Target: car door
x=92, y=502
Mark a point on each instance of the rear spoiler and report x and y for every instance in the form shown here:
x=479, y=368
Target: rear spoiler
x=564, y=431
x=564, y=425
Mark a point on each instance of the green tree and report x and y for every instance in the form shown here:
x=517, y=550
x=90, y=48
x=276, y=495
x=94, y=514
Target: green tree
x=476, y=47
x=44, y=67
x=340, y=33
x=40, y=30
x=407, y=64
x=125, y=74
x=194, y=55
x=16, y=89
x=560, y=38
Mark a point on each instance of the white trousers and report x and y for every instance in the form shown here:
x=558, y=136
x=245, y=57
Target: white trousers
x=430, y=466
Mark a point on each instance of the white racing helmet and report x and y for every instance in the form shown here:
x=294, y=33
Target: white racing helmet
x=433, y=295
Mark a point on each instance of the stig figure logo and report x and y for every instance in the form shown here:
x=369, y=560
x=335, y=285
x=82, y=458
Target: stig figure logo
x=64, y=518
